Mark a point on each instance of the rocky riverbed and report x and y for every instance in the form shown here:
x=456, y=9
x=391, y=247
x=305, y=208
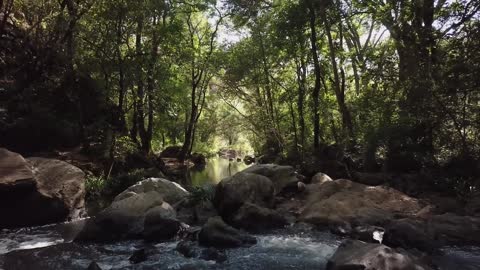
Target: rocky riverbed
x=295, y=247
x=265, y=217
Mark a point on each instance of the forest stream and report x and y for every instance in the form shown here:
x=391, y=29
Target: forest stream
x=239, y=134
x=294, y=247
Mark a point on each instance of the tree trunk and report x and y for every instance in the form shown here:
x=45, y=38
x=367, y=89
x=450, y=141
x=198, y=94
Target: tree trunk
x=301, y=79
x=317, y=71
x=121, y=77
x=338, y=82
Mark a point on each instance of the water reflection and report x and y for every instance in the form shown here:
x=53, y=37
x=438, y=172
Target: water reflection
x=216, y=169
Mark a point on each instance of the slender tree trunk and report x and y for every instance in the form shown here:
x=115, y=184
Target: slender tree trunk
x=139, y=115
x=191, y=119
x=121, y=76
x=147, y=132
x=339, y=81
x=301, y=79
x=317, y=71
x=294, y=127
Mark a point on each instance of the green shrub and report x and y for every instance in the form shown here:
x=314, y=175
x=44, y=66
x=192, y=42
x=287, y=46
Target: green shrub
x=121, y=182
x=94, y=186
x=202, y=195
x=99, y=186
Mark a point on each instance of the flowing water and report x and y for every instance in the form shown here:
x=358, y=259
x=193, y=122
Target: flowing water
x=291, y=248
x=285, y=249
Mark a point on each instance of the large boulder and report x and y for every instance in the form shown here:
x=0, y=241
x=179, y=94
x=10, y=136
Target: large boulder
x=254, y=218
x=160, y=224
x=169, y=191
x=359, y=255
x=410, y=233
x=142, y=211
x=216, y=233
x=427, y=234
x=452, y=229
x=473, y=205
x=123, y=219
x=38, y=191
x=232, y=192
x=281, y=176
x=171, y=152
x=343, y=201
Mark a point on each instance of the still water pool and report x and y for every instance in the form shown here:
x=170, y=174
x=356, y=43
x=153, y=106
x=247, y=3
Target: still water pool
x=214, y=171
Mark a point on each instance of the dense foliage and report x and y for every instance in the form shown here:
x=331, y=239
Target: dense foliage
x=392, y=83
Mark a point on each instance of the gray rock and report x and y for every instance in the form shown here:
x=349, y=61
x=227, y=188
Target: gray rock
x=457, y=230
x=42, y=191
x=255, y=218
x=138, y=256
x=472, y=207
x=410, y=233
x=169, y=191
x=232, y=192
x=213, y=254
x=360, y=255
x=320, y=178
x=186, y=248
x=215, y=233
x=125, y=218
x=281, y=176
x=342, y=200
x=160, y=224
x=93, y=266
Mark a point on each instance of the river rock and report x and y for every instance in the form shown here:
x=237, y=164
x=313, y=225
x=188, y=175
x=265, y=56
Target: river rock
x=216, y=233
x=357, y=255
x=427, y=234
x=342, y=200
x=125, y=218
x=171, y=152
x=410, y=233
x=138, y=256
x=160, y=224
x=186, y=248
x=232, y=192
x=169, y=191
x=38, y=191
x=452, y=229
x=93, y=266
x=192, y=250
x=472, y=207
x=368, y=233
x=213, y=254
x=320, y=178
x=255, y=218
x=281, y=176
